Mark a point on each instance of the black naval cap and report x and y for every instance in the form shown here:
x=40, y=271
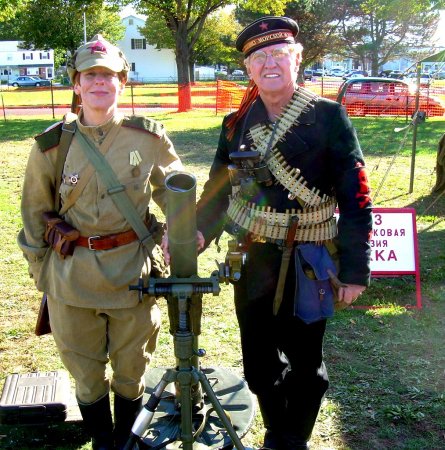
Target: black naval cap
x=266, y=31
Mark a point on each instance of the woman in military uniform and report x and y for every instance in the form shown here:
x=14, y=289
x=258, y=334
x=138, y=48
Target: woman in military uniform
x=285, y=160
x=95, y=318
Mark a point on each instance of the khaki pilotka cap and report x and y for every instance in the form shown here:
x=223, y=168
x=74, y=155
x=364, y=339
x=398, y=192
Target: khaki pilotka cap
x=97, y=53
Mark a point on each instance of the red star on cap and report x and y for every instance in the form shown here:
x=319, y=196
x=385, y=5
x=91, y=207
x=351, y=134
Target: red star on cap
x=264, y=26
x=98, y=47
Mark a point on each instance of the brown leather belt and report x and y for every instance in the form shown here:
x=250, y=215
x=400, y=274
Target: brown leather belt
x=107, y=242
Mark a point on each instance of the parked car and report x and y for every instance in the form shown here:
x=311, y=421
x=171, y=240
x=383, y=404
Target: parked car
x=221, y=74
x=337, y=72
x=237, y=74
x=425, y=79
x=28, y=81
x=439, y=76
x=384, y=73
x=319, y=73
x=355, y=74
x=384, y=96
x=397, y=74
x=308, y=74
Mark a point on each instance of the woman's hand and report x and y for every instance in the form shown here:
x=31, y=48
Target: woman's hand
x=200, y=242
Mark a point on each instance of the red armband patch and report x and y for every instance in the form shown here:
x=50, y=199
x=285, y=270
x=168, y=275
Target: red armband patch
x=364, y=191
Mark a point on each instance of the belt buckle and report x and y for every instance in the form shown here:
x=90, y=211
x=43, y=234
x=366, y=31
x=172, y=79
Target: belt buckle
x=91, y=243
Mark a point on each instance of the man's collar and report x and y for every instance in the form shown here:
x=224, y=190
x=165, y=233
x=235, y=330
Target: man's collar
x=258, y=114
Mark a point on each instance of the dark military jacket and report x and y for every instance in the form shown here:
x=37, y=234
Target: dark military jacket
x=324, y=146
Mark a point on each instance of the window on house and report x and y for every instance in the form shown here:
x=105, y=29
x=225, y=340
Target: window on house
x=27, y=56
x=133, y=67
x=44, y=55
x=138, y=44
x=130, y=21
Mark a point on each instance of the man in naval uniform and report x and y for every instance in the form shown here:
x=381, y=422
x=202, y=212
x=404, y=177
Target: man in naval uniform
x=95, y=318
x=285, y=160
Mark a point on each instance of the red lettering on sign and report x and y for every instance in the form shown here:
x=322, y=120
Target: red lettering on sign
x=392, y=255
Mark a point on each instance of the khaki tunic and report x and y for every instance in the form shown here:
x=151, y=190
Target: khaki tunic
x=95, y=279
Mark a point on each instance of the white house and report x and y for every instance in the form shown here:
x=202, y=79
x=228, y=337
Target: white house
x=147, y=63
x=15, y=61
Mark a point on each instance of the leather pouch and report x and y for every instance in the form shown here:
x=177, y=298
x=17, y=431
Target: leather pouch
x=314, y=296
x=60, y=235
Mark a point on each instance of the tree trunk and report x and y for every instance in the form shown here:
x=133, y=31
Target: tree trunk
x=192, y=72
x=374, y=63
x=440, y=167
x=182, y=63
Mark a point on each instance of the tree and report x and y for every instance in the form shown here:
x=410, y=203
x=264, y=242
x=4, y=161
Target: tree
x=214, y=45
x=8, y=8
x=59, y=24
x=382, y=30
x=318, y=21
x=185, y=21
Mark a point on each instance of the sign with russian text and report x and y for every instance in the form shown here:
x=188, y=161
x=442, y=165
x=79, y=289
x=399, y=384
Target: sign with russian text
x=393, y=241
x=394, y=248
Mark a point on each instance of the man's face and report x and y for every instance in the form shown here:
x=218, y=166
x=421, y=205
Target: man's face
x=274, y=69
x=99, y=89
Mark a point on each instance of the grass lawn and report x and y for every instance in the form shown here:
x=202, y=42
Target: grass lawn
x=386, y=365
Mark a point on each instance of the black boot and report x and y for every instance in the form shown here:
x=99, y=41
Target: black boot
x=273, y=409
x=98, y=423
x=288, y=441
x=271, y=441
x=125, y=413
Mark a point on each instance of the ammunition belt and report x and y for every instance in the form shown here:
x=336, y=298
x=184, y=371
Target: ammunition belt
x=289, y=177
x=316, y=224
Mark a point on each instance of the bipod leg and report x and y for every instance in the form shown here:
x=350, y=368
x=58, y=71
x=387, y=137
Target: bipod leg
x=145, y=417
x=185, y=382
x=219, y=410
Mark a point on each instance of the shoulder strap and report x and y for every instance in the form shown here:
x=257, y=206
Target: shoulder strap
x=88, y=172
x=68, y=129
x=117, y=192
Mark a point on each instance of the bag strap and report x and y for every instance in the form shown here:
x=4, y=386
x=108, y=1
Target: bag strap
x=69, y=127
x=117, y=192
x=89, y=170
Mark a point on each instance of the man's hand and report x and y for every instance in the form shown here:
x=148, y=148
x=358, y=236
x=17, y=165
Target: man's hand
x=349, y=293
x=200, y=241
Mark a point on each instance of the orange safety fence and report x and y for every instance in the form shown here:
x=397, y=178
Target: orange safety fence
x=228, y=96
x=202, y=95
x=225, y=97
x=361, y=99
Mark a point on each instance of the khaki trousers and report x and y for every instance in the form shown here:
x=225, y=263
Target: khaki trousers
x=87, y=339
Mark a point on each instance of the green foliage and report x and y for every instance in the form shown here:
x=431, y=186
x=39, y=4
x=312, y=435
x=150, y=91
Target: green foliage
x=8, y=8
x=59, y=24
x=185, y=22
x=216, y=45
x=381, y=30
x=318, y=21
